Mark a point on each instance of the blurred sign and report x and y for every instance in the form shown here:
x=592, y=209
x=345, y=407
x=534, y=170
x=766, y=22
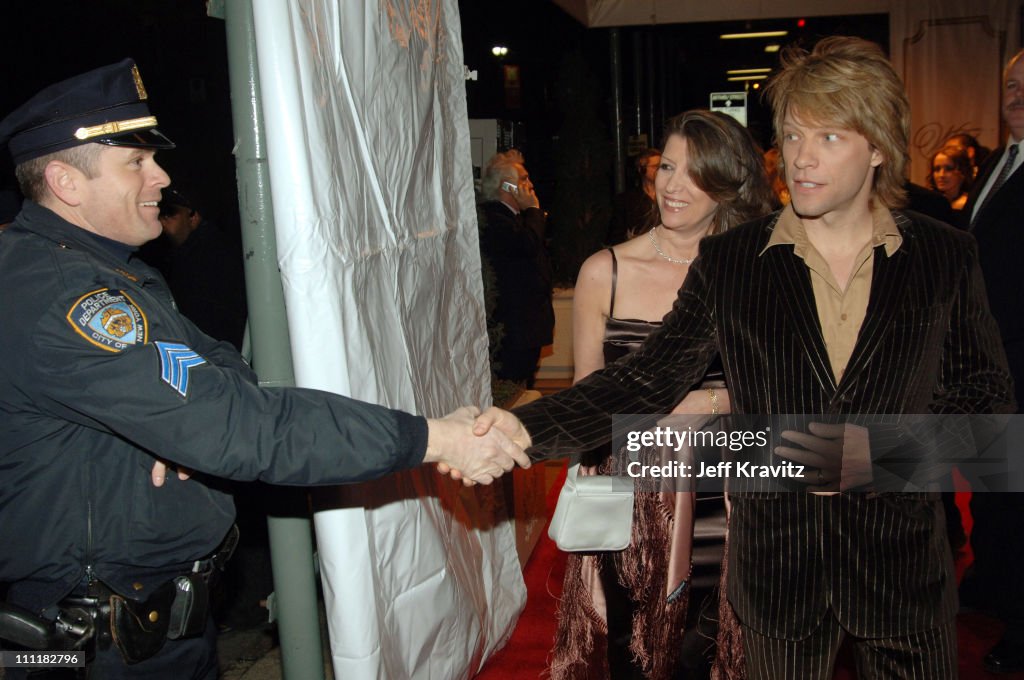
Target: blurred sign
x=513, y=86
x=636, y=144
x=731, y=103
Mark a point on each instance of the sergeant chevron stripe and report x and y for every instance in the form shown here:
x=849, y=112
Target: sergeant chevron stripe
x=176, y=360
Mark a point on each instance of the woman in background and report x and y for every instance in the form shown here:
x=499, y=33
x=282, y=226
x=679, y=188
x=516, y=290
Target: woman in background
x=951, y=175
x=633, y=211
x=772, y=165
x=621, y=613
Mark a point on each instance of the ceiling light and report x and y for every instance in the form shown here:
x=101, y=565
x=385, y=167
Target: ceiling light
x=733, y=79
x=747, y=71
x=770, y=49
x=499, y=50
x=756, y=34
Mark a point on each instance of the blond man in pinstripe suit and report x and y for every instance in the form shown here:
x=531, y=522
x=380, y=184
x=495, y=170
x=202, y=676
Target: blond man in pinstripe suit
x=841, y=303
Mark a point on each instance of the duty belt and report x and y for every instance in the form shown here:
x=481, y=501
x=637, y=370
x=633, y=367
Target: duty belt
x=176, y=609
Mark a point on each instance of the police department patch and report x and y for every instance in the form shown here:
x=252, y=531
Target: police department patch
x=109, y=319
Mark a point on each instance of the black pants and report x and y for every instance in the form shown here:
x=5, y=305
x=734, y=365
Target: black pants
x=697, y=652
x=619, y=614
x=997, y=540
x=698, y=643
x=925, y=654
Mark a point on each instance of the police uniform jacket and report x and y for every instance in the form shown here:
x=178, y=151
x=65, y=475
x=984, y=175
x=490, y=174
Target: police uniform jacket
x=99, y=374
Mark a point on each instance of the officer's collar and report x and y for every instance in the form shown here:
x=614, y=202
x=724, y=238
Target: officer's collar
x=43, y=221
x=122, y=251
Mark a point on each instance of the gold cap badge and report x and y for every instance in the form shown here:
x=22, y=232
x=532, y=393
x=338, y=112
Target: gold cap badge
x=139, y=87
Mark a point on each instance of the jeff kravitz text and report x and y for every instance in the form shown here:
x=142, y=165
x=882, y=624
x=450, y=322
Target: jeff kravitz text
x=723, y=469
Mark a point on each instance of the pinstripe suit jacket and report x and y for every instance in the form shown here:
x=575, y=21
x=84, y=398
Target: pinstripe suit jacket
x=928, y=344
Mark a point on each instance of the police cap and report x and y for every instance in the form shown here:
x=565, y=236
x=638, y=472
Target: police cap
x=106, y=105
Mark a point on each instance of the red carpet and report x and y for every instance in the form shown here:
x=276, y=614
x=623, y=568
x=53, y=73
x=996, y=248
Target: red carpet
x=525, y=655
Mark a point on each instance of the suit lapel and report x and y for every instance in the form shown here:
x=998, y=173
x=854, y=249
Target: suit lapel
x=797, y=299
x=888, y=289
x=1013, y=186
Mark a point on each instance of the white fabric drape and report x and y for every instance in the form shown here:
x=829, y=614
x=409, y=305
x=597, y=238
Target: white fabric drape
x=366, y=123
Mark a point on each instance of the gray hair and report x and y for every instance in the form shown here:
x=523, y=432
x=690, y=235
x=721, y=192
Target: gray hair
x=500, y=168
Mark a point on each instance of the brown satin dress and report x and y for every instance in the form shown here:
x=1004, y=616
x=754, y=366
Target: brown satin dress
x=625, y=614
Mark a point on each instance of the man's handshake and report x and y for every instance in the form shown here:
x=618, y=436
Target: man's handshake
x=477, y=447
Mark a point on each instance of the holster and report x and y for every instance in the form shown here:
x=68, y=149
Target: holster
x=190, y=608
x=177, y=609
x=139, y=629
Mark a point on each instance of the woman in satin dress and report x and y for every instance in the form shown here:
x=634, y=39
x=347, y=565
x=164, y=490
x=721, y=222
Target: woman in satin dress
x=625, y=614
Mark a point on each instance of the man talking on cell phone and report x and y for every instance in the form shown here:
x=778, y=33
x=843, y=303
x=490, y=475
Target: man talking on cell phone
x=512, y=241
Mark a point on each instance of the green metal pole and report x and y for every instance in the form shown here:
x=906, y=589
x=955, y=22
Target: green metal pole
x=291, y=542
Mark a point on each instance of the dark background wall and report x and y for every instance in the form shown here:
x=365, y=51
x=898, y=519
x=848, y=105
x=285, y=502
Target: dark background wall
x=182, y=57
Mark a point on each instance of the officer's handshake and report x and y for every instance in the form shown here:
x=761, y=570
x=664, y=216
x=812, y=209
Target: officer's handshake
x=101, y=377
x=466, y=452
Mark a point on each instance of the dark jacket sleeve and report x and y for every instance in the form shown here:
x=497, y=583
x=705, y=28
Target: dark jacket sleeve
x=212, y=417
x=974, y=378
x=973, y=383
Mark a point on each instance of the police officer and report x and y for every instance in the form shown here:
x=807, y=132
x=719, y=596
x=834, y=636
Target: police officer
x=101, y=378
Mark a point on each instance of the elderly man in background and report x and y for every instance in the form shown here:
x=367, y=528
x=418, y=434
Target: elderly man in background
x=512, y=241
x=996, y=209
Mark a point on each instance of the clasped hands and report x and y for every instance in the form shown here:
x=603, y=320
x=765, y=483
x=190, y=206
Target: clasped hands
x=477, y=447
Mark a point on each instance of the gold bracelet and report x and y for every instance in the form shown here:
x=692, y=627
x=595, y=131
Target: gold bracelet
x=713, y=396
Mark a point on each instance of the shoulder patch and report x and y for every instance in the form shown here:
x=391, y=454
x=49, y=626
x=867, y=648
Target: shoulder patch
x=176, y=360
x=109, y=319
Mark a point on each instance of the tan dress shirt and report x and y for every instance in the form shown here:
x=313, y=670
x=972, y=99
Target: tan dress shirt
x=840, y=312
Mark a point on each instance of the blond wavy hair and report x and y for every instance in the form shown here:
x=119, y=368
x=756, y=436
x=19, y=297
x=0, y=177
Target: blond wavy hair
x=849, y=82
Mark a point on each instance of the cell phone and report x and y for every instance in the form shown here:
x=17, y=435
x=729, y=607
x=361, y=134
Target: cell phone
x=508, y=186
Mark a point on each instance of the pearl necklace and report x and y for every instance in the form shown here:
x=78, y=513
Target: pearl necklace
x=673, y=260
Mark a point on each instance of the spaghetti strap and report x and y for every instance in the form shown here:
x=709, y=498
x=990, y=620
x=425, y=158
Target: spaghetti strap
x=615, y=278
